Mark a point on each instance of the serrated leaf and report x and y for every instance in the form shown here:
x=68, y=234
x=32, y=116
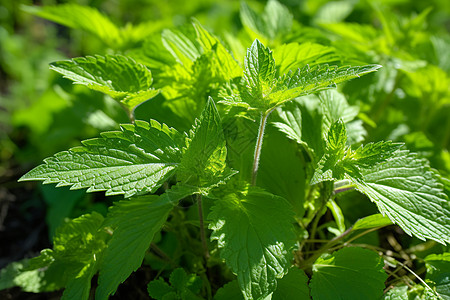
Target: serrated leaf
x=259, y=74
x=137, y=159
x=407, y=191
x=260, y=89
x=203, y=163
x=308, y=80
x=294, y=283
x=181, y=46
x=372, y=221
x=157, y=289
x=135, y=222
x=349, y=273
x=438, y=271
x=255, y=236
x=81, y=17
x=340, y=161
x=115, y=75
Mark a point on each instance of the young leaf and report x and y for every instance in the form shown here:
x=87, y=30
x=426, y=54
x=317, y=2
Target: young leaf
x=137, y=159
x=349, y=273
x=203, y=163
x=407, y=191
x=438, y=271
x=294, y=283
x=261, y=90
x=339, y=160
x=135, y=222
x=115, y=75
x=259, y=74
x=372, y=221
x=81, y=17
x=255, y=235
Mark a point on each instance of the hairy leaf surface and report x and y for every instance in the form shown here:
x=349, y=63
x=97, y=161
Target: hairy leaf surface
x=332, y=274
x=115, y=75
x=255, y=235
x=137, y=159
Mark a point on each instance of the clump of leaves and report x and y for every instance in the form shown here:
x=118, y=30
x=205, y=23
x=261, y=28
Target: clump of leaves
x=262, y=234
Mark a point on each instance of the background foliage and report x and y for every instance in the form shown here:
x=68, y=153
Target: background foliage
x=408, y=101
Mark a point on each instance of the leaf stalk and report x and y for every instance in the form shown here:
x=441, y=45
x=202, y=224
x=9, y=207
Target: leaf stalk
x=258, y=147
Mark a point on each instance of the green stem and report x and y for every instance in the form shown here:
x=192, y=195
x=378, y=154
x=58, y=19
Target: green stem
x=202, y=226
x=258, y=147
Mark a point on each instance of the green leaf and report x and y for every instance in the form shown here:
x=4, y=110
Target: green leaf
x=407, y=191
x=203, y=163
x=290, y=57
x=340, y=161
x=438, y=271
x=294, y=283
x=135, y=222
x=223, y=62
x=78, y=247
x=329, y=167
x=158, y=289
x=254, y=232
x=259, y=74
x=137, y=159
x=349, y=273
x=35, y=281
x=260, y=89
x=181, y=46
x=273, y=22
x=229, y=291
x=81, y=17
x=308, y=80
x=372, y=221
x=115, y=75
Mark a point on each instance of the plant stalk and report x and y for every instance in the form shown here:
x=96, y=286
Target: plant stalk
x=258, y=147
x=202, y=226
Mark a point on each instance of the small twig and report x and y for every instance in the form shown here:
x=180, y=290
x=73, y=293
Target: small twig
x=202, y=226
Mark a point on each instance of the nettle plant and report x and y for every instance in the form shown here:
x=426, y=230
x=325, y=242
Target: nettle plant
x=264, y=201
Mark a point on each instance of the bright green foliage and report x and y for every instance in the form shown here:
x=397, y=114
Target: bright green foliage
x=262, y=90
x=135, y=222
x=438, y=271
x=339, y=160
x=90, y=20
x=74, y=260
x=275, y=20
x=115, y=75
x=294, y=283
x=254, y=233
x=402, y=186
x=182, y=286
x=34, y=281
x=290, y=57
x=332, y=274
x=137, y=159
x=203, y=164
x=407, y=191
